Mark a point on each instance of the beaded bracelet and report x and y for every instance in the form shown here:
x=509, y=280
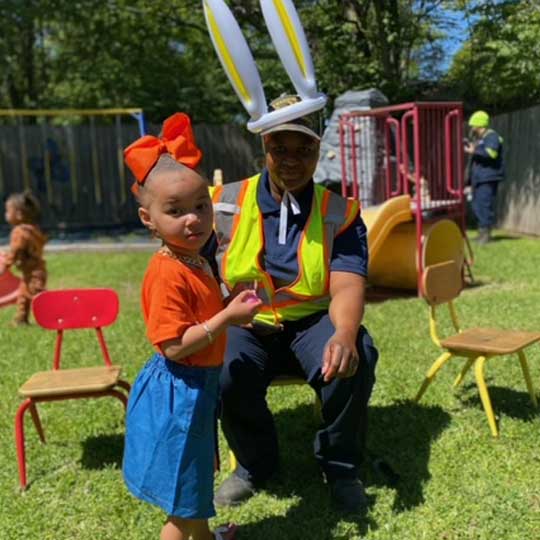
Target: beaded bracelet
x=208, y=332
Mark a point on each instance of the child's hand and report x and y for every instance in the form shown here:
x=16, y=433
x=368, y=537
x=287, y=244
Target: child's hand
x=237, y=289
x=243, y=307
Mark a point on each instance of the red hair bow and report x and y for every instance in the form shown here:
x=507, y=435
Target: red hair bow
x=177, y=140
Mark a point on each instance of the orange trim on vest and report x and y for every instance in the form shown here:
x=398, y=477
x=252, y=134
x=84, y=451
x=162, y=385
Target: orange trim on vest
x=325, y=201
x=216, y=193
x=350, y=214
x=292, y=303
x=269, y=284
x=288, y=288
x=324, y=212
x=236, y=221
x=324, y=209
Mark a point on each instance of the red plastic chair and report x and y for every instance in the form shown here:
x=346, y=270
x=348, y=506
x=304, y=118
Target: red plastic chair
x=63, y=310
x=9, y=288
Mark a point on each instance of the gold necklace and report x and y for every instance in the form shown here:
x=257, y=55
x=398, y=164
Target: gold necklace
x=197, y=261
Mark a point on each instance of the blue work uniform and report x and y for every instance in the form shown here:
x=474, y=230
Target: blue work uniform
x=487, y=170
x=254, y=357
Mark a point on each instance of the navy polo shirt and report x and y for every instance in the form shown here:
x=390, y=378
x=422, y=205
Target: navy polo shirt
x=349, y=253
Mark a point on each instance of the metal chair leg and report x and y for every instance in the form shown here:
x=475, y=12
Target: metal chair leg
x=527, y=375
x=464, y=370
x=484, y=394
x=436, y=366
x=19, y=440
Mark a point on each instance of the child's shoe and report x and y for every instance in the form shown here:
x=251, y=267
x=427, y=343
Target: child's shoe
x=226, y=532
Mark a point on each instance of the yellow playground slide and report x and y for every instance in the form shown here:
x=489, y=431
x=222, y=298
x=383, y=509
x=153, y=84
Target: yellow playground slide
x=393, y=258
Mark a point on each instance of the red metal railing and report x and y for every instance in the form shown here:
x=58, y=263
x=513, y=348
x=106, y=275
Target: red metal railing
x=411, y=148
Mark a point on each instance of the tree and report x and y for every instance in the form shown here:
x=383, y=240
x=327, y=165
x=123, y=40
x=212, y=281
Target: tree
x=376, y=43
x=158, y=55
x=91, y=53
x=24, y=69
x=497, y=68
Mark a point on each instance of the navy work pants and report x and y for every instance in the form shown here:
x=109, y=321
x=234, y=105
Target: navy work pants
x=252, y=360
x=484, y=196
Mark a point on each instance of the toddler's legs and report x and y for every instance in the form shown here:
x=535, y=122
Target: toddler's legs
x=30, y=286
x=192, y=529
x=23, y=305
x=186, y=529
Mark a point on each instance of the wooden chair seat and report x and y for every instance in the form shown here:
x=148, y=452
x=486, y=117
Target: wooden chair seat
x=490, y=341
x=70, y=381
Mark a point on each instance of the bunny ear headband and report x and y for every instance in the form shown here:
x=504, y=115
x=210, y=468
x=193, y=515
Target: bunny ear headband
x=291, y=45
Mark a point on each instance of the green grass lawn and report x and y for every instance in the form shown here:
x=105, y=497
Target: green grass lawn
x=456, y=481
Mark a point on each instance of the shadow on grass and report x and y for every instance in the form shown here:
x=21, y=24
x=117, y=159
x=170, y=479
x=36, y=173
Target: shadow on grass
x=476, y=284
x=376, y=294
x=102, y=450
x=401, y=434
x=505, y=401
x=399, y=442
x=499, y=237
x=300, y=477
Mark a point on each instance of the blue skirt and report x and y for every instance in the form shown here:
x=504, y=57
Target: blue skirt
x=171, y=437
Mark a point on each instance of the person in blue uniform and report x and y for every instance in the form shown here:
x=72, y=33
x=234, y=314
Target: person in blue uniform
x=306, y=249
x=486, y=172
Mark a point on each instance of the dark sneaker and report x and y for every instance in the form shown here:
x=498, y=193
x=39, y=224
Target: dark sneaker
x=233, y=491
x=484, y=236
x=348, y=495
x=226, y=532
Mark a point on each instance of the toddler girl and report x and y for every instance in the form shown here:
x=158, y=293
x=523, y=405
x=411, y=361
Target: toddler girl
x=171, y=418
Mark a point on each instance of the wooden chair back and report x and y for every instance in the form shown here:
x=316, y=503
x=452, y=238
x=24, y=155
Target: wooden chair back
x=441, y=283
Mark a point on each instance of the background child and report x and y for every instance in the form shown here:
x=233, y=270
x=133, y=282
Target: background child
x=25, y=250
x=171, y=418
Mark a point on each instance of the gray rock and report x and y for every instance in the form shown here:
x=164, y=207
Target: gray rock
x=329, y=168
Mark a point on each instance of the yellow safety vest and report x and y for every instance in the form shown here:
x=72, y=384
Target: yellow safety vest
x=240, y=235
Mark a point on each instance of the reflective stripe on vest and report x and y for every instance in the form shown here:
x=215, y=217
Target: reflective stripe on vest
x=240, y=236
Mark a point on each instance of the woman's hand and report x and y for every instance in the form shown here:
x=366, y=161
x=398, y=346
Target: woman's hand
x=340, y=356
x=469, y=148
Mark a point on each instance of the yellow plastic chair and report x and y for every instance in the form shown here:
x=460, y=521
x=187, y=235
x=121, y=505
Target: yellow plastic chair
x=281, y=380
x=441, y=284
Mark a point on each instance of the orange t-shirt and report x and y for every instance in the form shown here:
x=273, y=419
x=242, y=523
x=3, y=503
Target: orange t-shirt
x=176, y=296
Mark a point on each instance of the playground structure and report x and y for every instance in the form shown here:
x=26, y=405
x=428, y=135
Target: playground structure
x=404, y=163
x=72, y=159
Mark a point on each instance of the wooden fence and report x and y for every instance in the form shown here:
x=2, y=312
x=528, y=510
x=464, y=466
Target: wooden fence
x=519, y=195
x=78, y=174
